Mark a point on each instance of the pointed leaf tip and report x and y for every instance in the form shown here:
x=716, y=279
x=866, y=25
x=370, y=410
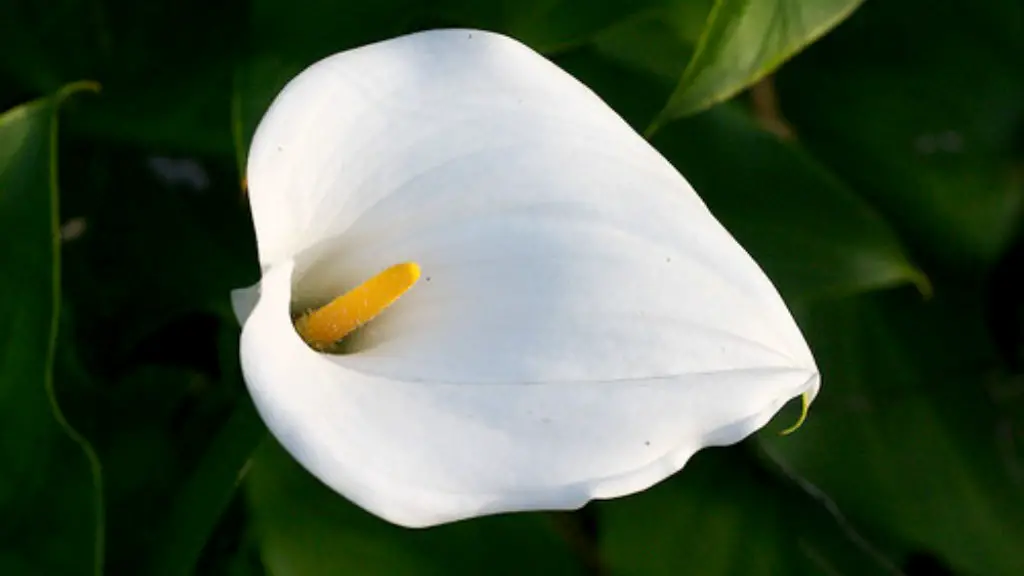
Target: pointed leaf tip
x=805, y=404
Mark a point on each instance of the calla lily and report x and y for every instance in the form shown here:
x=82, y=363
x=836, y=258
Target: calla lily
x=579, y=326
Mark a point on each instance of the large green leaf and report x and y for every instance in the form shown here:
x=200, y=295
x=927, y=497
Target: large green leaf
x=660, y=40
x=919, y=105
x=170, y=417
x=162, y=243
x=201, y=500
x=137, y=440
x=51, y=519
x=306, y=528
x=172, y=461
x=812, y=235
x=744, y=40
x=905, y=436
x=726, y=514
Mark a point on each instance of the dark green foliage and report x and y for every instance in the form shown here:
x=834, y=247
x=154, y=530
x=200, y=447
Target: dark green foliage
x=878, y=178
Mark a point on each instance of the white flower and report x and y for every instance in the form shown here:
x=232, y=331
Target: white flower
x=582, y=325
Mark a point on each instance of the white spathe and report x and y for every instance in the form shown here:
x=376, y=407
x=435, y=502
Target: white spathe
x=583, y=324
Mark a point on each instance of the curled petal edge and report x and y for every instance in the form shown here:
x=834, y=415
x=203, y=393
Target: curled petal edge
x=414, y=507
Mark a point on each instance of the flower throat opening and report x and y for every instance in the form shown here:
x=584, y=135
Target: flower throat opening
x=323, y=327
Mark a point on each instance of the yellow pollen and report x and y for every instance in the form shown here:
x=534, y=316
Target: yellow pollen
x=323, y=327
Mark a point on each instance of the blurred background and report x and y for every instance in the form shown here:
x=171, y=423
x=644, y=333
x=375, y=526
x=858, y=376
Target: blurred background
x=868, y=154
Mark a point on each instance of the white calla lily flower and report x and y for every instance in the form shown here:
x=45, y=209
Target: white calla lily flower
x=582, y=324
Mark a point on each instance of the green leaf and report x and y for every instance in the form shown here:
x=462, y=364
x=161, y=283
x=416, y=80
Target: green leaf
x=174, y=442
x=659, y=41
x=203, y=497
x=726, y=514
x=305, y=528
x=139, y=445
x=201, y=500
x=811, y=234
x=50, y=494
x=905, y=436
x=744, y=40
x=918, y=105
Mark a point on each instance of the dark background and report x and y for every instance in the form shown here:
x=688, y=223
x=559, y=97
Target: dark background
x=875, y=173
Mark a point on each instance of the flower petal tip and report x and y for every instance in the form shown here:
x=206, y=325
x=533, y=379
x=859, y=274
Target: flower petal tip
x=805, y=404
